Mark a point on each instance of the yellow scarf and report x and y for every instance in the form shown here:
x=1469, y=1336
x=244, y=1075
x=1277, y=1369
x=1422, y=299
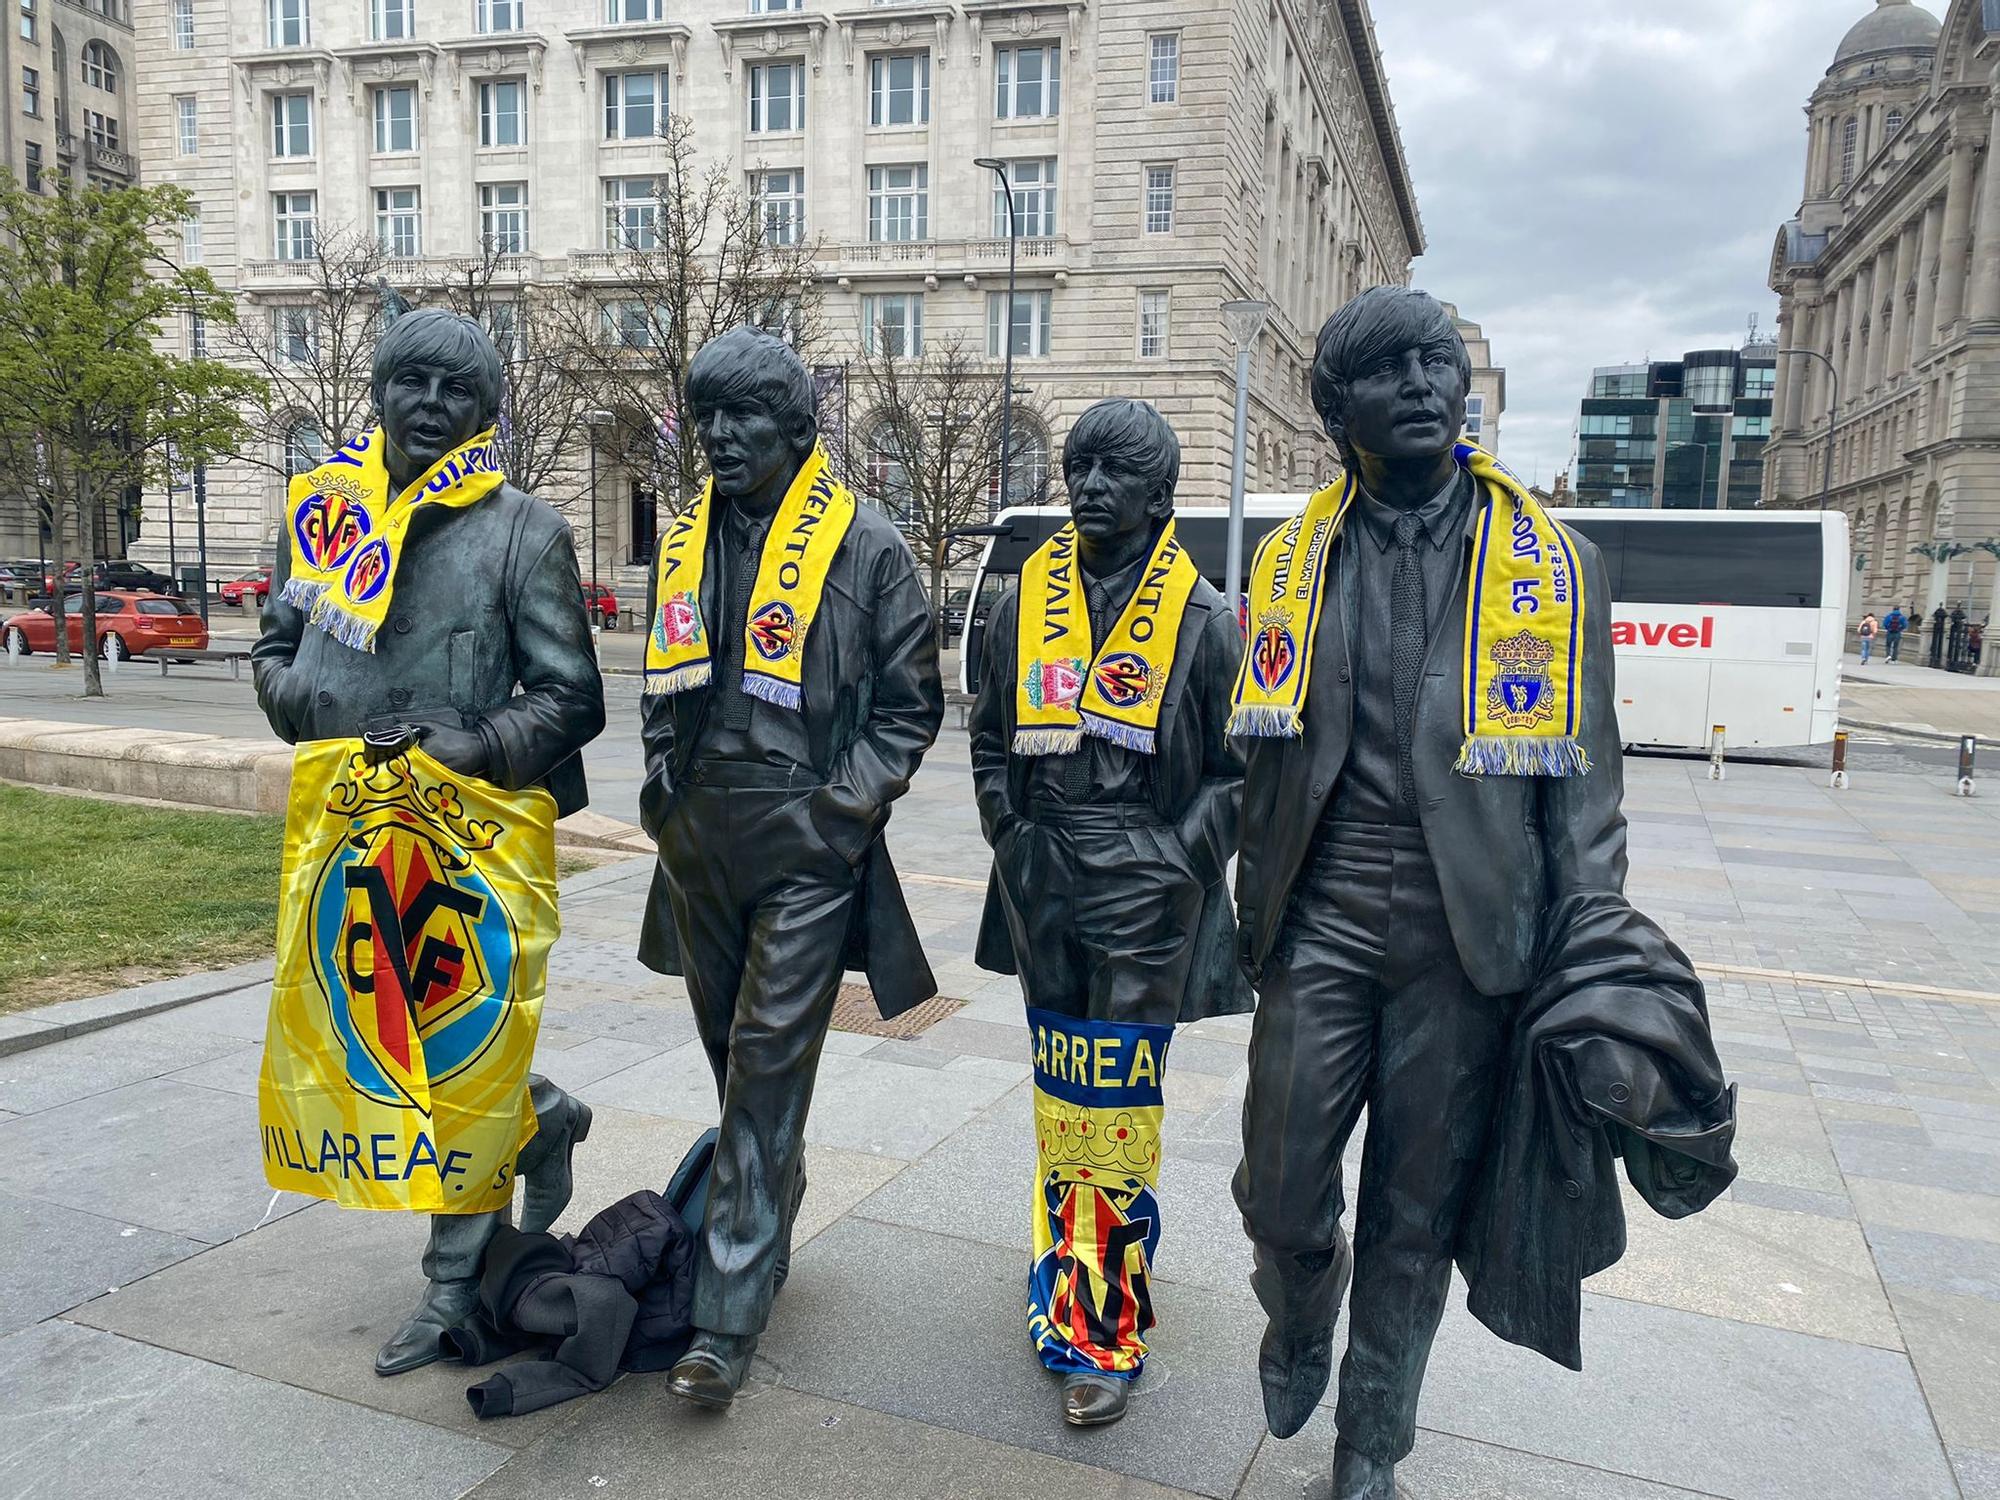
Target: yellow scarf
x=1523, y=628
x=347, y=532
x=1055, y=701
x=791, y=575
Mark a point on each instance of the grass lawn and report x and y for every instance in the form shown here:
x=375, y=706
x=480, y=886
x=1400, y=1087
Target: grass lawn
x=98, y=895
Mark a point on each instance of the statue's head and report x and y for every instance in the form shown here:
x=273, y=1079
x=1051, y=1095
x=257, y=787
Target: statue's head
x=1390, y=376
x=1120, y=463
x=752, y=404
x=437, y=382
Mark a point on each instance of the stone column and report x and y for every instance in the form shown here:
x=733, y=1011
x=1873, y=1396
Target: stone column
x=1880, y=269
x=1955, y=249
x=1986, y=241
x=1895, y=353
x=1923, y=323
x=1789, y=313
x=1843, y=335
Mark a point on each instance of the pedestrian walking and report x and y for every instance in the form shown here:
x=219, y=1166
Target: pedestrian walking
x=1893, y=625
x=1866, y=630
x=1975, y=640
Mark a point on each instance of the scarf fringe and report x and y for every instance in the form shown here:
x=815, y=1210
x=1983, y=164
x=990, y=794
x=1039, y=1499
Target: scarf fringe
x=1133, y=737
x=1048, y=741
x=347, y=628
x=695, y=674
x=1522, y=755
x=1260, y=721
x=771, y=690
x=301, y=593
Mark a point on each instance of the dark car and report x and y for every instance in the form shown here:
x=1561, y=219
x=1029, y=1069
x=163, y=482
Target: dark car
x=954, y=613
x=133, y=577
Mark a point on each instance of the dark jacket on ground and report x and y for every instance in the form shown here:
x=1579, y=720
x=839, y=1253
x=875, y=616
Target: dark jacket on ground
x=486, y=599
x=1196, y=783
x=1505, y=847
x=616, y=1296
x=1611, y=1056
x=873, y=705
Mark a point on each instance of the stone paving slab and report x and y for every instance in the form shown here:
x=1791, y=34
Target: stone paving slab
x=1445, y=1467
x=89, y=1416
x=52, y=1258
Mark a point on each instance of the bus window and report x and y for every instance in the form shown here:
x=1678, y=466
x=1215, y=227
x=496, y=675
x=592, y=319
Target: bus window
x=1768, y=564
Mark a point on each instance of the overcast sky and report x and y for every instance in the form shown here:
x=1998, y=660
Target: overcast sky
x=1601, y=183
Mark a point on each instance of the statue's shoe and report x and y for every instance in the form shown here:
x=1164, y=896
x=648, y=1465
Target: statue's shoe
x=1356, y=1476
x=1294, y=1373
x=1093, y=1400
x=415, y=1344
x=712, y=1371
x=546, y=1168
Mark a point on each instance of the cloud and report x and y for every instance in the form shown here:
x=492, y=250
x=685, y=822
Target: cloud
x=1601, y=184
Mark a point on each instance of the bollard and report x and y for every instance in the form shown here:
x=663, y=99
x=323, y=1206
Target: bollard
x=1715, y=767
x=596, y=654
x=1840, y=760
x=1968, y=748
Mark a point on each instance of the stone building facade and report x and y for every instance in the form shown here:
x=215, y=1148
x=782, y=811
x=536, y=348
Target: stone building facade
x=1487, y=398
x=1181, y=154
x=1891, y=272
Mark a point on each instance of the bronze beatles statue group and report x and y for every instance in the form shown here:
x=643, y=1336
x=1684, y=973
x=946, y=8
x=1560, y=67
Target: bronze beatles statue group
x=1413, y=761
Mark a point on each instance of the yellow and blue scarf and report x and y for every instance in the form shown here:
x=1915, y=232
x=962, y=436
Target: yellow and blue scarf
x=810, y=524
x=1056, y=701
x=1523, y=628
x=347, y=530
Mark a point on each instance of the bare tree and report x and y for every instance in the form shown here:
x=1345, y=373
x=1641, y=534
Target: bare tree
x=929, y=433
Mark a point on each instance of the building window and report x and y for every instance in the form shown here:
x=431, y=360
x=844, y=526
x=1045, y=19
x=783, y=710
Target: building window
x=1030, y=323
x=1850, y=137
x=888, y=482
x=899, y=203
x=777, y=97
x=771, y=7
x=294, y=215
x=503, y=326
x=629, y=324
x=635, y=106
x=290, y=23
x=191, y=252
x=1895, y=123
x=32, y=162
x=183, y=25
x=1152, y=325
x=100, y=67
x=631, y=214
x=100, y=130
x=503, y=217
x=1027, y=469
x=1028, y=81
x=396, y=119
x=291, y=125
x=292, y=334
x=31, y=92
x=1159, y=200
x=304, y=448
x=28, y=20
x=893, y=324
x=392, y=20
x=783, y=197
x=1475, y=418
x=899, y=89
x=618, y=11
x=1163, y=68
x=187, y=128
x=498, y=15
x=502, y=113
x=398, y=221
x=1034, y=185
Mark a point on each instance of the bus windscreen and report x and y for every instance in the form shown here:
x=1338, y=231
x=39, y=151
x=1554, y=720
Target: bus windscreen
x=1767, y=564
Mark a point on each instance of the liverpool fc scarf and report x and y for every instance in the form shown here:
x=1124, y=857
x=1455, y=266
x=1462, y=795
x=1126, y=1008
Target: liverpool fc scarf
x=1523, y=628
x=791, y=575
x=1056, y=702
x=347, y=530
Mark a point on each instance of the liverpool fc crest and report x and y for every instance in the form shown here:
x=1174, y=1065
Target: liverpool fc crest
x=1522, y=696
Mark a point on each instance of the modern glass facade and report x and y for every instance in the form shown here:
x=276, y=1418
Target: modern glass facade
x=1683, y=434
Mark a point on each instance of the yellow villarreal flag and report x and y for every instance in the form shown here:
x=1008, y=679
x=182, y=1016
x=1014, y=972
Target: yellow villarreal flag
x=414, y=927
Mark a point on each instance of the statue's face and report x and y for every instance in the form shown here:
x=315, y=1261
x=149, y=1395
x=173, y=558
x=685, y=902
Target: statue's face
x=1109, y=497
x=427, y=411
x=747, y=446
x=1407, y=405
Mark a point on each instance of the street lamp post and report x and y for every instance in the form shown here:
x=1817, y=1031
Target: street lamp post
x=594, y=419
x=1832, y=416
x=1244, y=316
x=998, y=167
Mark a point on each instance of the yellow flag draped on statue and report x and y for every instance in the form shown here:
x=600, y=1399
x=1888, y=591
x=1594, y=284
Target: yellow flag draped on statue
x=415, y=918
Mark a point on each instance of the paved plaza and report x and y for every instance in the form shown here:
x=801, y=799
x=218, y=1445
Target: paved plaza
x=1830, y=1328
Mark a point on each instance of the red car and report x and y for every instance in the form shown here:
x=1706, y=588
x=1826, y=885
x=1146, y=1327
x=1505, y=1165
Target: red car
x=600, y=604
x=255, y=585
x=128, y=624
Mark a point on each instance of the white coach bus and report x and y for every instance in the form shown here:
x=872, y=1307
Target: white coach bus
x=1736, y=618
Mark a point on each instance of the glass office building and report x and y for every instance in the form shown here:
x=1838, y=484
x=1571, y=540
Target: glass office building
x=1685, y=434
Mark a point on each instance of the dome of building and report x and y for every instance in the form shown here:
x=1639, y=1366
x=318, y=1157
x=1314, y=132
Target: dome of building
x=1893, y=26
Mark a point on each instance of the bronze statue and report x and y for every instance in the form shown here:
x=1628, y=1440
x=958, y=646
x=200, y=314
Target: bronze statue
x=1431, y=903
x=1109, y=792
x=791, y=690
x=484, y=657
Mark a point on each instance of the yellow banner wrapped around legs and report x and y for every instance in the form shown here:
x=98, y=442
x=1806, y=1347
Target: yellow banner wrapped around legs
x=414, y=925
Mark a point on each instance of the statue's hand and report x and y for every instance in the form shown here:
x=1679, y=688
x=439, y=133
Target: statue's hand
x=457, y=749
